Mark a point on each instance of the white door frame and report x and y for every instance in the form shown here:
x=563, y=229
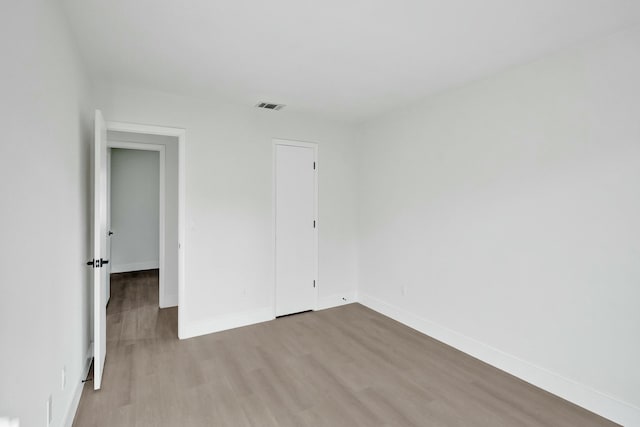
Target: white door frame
x=108, y=282
x=314, y=146
x=181, y=135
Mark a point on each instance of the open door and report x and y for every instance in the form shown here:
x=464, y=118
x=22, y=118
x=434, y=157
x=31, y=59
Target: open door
x=100, y=253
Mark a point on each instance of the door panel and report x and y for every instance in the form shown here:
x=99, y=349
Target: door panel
x=295, y=229
x=99, y=249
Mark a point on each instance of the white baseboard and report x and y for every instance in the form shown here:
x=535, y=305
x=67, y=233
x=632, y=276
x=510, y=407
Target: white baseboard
x=579, y=394
x=337, y=300
x=246, y=318
x=231, y=321
x=77, y=394
x=134, y=266
x=169, y=301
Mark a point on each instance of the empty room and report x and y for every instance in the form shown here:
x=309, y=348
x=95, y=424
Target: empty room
x=320, y=213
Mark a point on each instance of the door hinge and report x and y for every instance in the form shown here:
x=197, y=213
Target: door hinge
x=314, y=165
x=314, y=223
x=314, y=283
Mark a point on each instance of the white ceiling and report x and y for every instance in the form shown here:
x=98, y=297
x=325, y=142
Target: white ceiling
x=350, y=59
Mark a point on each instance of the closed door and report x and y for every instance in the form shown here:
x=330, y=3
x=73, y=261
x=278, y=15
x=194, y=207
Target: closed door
x=296, y=227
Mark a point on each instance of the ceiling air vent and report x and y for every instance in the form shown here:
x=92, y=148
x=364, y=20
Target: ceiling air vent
x=270, y=106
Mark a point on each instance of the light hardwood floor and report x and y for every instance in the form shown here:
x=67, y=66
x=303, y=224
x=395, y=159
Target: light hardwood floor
x=347, y=366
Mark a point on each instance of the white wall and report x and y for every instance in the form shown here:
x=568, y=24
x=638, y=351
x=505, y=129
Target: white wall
x=508, y=210
x=171, y=206
x=44, y=212
x=135, y=214
x=229, y=262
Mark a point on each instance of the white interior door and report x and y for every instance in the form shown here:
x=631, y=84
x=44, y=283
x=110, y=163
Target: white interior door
x=100, y=254
x=295, y=211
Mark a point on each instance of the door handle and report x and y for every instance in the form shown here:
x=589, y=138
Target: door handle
x=110, y=233
x=95, y=263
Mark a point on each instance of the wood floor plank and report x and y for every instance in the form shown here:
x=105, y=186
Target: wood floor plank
x=346, y=366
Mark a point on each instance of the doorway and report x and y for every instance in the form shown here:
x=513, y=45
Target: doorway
x=137, y=137
x=134, y=210
x=296, y=226
x=143, y=208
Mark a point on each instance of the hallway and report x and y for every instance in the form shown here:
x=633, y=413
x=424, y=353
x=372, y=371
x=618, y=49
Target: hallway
x=139, y=337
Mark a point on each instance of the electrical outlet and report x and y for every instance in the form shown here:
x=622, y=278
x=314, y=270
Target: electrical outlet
x=63, y=378
x=49, y=410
